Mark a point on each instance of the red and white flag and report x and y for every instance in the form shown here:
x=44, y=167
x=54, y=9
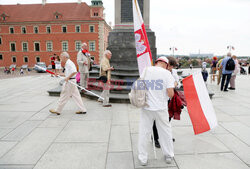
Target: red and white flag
x=144, y=56
x=199, y=105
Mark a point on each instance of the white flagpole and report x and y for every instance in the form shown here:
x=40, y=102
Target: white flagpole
x=71, y=83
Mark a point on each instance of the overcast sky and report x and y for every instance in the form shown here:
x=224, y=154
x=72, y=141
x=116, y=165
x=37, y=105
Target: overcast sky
x=191, y=25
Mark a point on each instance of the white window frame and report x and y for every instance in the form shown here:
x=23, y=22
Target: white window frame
x=93, y=28
x=37, y=29
x=13, y=30
x=90, y=46
x=47, y=46
x=35, y=46
x=24, y=59
x=15, y=46
x=67, y=46
x=48, y=26
x=12, y=59
x=27, y=47
x=76, y=46
x=66, y=28
x=22, y=29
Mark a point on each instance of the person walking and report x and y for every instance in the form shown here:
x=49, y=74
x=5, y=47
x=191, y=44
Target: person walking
x=58, y=64
x=69, y=90
x=83, y=64
x=53, y=58
x=213, y=67
x=227, y=66
x=218, y=66
x=157, y=99
x=235, y=72
x=105, y=77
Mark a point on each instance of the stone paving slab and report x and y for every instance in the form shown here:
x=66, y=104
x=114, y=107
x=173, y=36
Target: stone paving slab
x=123, y=160
x=23, y=130
x=188, y=143
x=74, y=156
x=237, y=146
x=210, y=161
x=239, y=130
x=12, y=119
x=30, y=149
x=5, y=147
x=120, y=139
x=85, y=131
x=16, y=166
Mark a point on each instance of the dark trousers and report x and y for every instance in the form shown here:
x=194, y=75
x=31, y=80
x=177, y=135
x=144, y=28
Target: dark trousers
x=156, y=137
x=224, y=76
x=155, y=132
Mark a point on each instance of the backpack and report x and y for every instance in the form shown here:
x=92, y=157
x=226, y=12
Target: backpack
x=138, y=93
x=230, y=65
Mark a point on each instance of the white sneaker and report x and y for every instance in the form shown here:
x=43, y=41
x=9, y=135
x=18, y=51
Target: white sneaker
x=143, y=163
x=168, y=160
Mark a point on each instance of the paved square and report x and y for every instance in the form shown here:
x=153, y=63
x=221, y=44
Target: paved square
x=106, y=138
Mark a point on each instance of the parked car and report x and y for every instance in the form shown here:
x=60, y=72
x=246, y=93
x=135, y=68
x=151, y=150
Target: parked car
x=24, y=67
x=13, y=65
x=49, y=67
x=41, y=64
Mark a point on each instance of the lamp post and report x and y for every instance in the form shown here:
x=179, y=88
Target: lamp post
x=173, y=49
x=230, y=47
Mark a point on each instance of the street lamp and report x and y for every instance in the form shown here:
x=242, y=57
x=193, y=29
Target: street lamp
x=230, y=47
x=173, y=49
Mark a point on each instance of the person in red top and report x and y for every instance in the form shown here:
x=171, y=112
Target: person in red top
x=53, y=58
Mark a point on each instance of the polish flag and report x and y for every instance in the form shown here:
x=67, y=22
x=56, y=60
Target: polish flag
x=144, y=56
x=199, y=105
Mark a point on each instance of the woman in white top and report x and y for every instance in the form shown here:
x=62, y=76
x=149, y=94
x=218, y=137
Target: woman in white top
x=58, y=64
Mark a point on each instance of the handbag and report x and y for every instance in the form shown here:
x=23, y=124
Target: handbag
x=104, y=79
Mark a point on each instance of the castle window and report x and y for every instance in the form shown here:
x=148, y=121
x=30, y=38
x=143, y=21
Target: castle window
x=25, y=46
x=48, y=29
x=95, y=14
x=91, y=28
x=23, y=30
x=11, y=30
x=78, y=28
x=64, y=29
x=14, y=59
x=35, y=29
x=25, y=59
x=12, y=47
x=37, y=46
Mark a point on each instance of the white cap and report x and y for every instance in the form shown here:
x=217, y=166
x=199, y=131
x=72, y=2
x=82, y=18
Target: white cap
x=163, y=59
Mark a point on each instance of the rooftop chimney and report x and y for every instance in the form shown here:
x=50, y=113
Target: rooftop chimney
x=79, y=1
x=43, y=2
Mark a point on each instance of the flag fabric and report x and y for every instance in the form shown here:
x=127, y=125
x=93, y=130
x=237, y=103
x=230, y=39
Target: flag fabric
x=199, y=105
x=232, y=47
x=144, y=56
x=176, y=49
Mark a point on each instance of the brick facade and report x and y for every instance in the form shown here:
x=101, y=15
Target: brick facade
x=78, y=30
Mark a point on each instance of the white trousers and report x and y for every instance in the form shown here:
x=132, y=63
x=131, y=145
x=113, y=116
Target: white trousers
x=70, y=90
x=84, y=79
x=105, y=94
x=164, y=129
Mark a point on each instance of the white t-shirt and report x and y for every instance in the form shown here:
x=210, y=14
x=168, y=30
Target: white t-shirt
x=69, y=68
x=158, y=80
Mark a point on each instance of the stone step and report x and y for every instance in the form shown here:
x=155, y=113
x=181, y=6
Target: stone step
x=113, y=97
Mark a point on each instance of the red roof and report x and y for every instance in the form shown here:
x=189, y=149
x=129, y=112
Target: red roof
x=47, y=12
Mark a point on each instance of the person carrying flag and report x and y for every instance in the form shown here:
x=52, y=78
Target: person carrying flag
x=68, y=89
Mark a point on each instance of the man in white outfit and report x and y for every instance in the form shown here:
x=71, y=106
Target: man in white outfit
x=83, y=64
x=157, y=110
x=68, y=89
